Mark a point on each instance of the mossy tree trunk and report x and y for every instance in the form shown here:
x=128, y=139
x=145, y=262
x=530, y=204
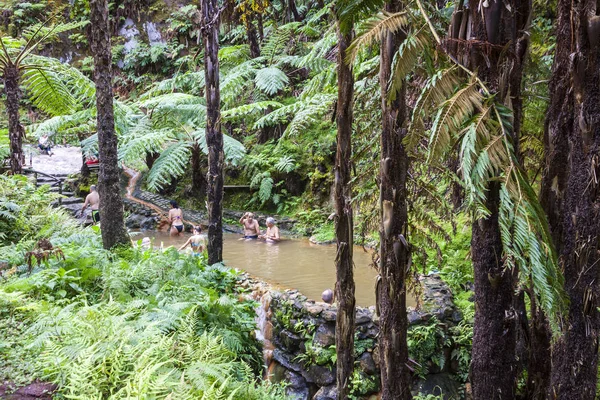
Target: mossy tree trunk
x=16, y=131
x=214, y=136
x=111, y=203
x=572, y=184
x=394, y=250
x=491, y=51
x=344, y=288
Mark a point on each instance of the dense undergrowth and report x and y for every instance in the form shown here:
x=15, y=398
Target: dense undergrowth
x=123, y=324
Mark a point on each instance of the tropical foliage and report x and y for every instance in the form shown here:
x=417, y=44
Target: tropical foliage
x=102, y=324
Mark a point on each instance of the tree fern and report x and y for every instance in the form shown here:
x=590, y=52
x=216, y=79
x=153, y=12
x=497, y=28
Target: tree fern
x=271, y=80
x=249, y=110
x=373, y=30
x=170, y=165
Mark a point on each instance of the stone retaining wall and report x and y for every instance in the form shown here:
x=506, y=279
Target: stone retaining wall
x=300, y=342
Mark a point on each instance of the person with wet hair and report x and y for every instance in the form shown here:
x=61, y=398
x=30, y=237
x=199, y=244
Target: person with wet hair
x=327, y=296
x=196, y=241
x=251, y=228
x=92, y=200
x=272, y=234
x=176, y=219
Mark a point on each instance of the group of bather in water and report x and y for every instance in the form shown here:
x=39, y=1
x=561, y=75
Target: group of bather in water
x=196, y=241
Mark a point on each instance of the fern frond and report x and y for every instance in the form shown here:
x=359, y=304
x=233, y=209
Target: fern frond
x=170, y=165
x=233, y=149
x=246, y=110
x=374, y=29
x=271, y=80
x=451, y=117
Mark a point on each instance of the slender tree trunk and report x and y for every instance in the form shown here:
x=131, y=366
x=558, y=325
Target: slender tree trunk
x=294, y=10
x=494, y=369
x=253, y=40
x=572, y=184
x=111, y=203
x=261, y=29
x=394, y=251
x=15, y=129
x=214, y=136
x=344, y=232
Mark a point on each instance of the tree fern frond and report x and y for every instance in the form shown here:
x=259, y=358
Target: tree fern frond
x=349, y=11
x=233, y=149
x=374, y=29
x=277, y=42
x=246, y=110
x=410, y=51
x=451, y=116
x=141, y=140
x=170, y=165
x=271, y=80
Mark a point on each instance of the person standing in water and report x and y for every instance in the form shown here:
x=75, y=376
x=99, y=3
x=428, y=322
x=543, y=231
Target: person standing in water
x=251, y=228
x=92, y=200
x=176, y=219
x=272, y=234
x=196, y=241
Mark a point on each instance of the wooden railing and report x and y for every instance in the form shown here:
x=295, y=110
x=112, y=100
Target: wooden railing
x=58, y=180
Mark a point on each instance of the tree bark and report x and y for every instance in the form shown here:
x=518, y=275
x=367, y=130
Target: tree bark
x=214, y=136
x=151, y=159
x=111, y=203
x=252, y=39
x=494, y=369
x=294, y=10
x=16, y=131
x=571, y=184
x=344, y=228
x=394, y=250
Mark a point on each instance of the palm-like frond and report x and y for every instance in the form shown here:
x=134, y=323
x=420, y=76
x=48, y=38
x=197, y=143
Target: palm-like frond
x=170, y=165
x=141, y=140
x=451, y=116
x=233, y=150
x=350, y=11
x=374, y=29
x=277, y=42
x=271, y=80
x=487, y=155
x=249, y=110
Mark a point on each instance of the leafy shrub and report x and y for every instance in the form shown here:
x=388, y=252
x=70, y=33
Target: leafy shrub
x=425, y=346
x=124, y=324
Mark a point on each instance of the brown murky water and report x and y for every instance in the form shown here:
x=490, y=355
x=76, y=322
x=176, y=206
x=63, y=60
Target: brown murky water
x=295, y=263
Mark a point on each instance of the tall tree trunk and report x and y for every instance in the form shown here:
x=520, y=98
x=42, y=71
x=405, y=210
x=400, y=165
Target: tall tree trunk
x=394, y=251
x=214, y=136
x=294, y=10
x=252, y=39
x=111, y=203
x=494, y=369
x=261, y=29
x=572, y=184
x=344, y=232
x=15, y=129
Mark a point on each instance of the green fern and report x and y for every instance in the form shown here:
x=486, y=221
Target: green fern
x=271, y=80
x=170, y=165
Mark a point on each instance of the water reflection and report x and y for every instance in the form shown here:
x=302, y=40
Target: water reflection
x=296, y=264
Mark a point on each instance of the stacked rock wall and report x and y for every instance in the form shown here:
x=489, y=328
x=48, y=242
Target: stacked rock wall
x=301, y=343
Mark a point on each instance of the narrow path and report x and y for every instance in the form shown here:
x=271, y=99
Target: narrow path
x=144, y=198
x=134, y=176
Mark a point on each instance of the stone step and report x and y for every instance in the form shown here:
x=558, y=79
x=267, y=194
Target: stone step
x=49, y=182
x=68, y=200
